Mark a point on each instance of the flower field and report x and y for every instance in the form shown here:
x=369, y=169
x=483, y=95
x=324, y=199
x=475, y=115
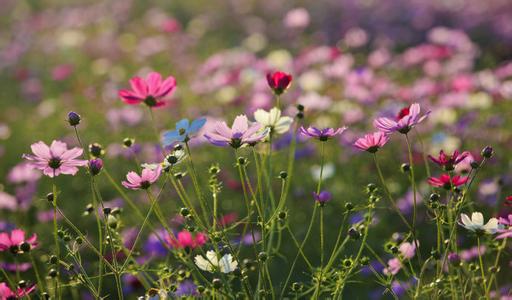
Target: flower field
x=255, y=149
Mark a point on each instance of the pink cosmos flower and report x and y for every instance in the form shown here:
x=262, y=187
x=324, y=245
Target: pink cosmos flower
x=405, y=121
x=185, y=239
x=144, y=181
x=448, y=162
x=55, y=159
x=14, y=240
x=394, y=266
x=6, y=293
x=505, y=232
x=446, y=182
x=372, y=142
x=151, y=91
x=408, y=250
x=321, y=134
x=240, y=134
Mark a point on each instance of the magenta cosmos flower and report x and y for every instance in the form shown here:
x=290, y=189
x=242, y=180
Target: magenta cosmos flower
x=7, y=294
x=446, y=182
x=279, y=81
x=372, y=142
x=240, y=134
x=144, y=181
x=406, y=119
x=505, y=232
x=321, y=134
x=448, y=162
x=55, y=159
x=15, y=239
x=185, y=239
x=151, y=91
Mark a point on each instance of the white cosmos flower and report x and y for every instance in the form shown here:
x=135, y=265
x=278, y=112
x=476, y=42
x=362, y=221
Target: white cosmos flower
x=272, y=119
x=211, y=263
x=476, y=223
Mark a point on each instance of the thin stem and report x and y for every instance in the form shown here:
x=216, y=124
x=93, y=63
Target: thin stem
x=482, y=270
x=414, y=190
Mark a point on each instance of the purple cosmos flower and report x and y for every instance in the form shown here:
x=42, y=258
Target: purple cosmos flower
x=506, y=232
x=144, y=181
x=321, y=134
x=240, y=134
x=186, y=288
x=55, y=159
x=405, y=121
x=372, y=142
x=322, y=197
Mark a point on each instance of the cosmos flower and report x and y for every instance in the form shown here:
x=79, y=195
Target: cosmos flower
x=185, y=239
x=445, y=181
x=408, y=250
x=279, y=81
x=322, y=197
x=505, y=232
x=144, y=181
x=321, y=134
x=508, y=201
x=448, y=162
x=240, y=134
x=183, y=132
x=476, y=223
x=407, y=118
x=15, y=239
x=393, y=267
x=6, y=293
x=273, y=120
x=372, y=142
x=151, y=91
x=56, y=159
x=211, y=263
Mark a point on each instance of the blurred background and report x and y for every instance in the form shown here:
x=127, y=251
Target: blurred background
x=351, y=60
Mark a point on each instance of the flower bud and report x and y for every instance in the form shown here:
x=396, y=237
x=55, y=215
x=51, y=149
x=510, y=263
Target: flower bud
x=185, y=212
x=96, y=150
x=354, y=233
x=300, y=107
x=95, y=166
x=49, y=197
x=128, y=142
x=487, y=152
x=349, y=206
x=217, y=283
x=25, y=247
x=405, y=168
x=283, y=175
x=74, y=118
x=52, y=273
x=262, y=256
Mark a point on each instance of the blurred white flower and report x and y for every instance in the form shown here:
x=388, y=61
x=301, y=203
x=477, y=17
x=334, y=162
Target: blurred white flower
x=476, y=223
x=211, y=263
x=272, y=119
x=297, y=18
x=328, y=171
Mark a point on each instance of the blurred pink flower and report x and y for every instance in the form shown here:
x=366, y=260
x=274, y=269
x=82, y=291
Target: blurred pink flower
x=144, y=181
x=23, y=172
x=151, y=91
x=372, y=142
x=6, y=293
x=14, y=240
x=185, y=239
x=7, y=201
x=55, y=159
x=240, y=134
x=405, y=121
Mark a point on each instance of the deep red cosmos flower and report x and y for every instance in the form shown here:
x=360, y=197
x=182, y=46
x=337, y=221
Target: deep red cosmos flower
x=445, y=182
x=279, y=81
x=448, y=162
